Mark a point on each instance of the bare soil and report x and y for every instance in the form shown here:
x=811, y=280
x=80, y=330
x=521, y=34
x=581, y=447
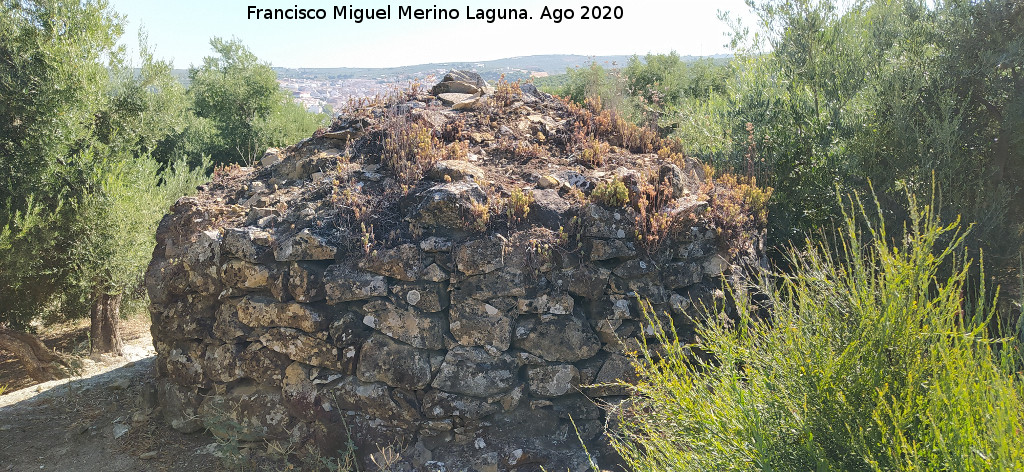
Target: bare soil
x=96, y=420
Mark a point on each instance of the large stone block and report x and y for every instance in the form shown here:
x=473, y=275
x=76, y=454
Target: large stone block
x=261, y=312
x=561, y=338
x=473, y=371
x=304, y=246
x=418, y=329
x=342, y=283
x=403, y=262
x=398, y=365
x=301, y=347
x=479, y=323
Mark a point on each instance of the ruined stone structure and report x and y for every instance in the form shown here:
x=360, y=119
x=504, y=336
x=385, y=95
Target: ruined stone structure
x=461, y=319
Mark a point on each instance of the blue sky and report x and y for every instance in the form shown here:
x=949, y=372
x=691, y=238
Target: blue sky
x=181, y=30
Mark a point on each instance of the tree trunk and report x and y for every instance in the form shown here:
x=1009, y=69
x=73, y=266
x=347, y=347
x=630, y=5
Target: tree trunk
x=106, y=313
x=41, y=363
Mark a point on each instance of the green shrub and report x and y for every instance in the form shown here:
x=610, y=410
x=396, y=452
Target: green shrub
x=612, y=194
x=868, y=361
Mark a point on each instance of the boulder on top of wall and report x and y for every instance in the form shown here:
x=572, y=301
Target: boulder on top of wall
x=450, y=205
x=462, y=81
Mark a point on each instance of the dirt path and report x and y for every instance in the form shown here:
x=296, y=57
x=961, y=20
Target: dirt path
x=98, y=422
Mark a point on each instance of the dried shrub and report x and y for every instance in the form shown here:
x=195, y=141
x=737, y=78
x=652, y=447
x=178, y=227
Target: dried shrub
x=597, y=122
x=570, y=236
x=458, y=150
x=575, y=196
x=454, y=130
x=506, y=93
x=653, y=226
x=349, y=202
x=592, y=151
x=519, y=149
x=410, y=149
x=668, y=154
x=479, y=217
x=737, y=208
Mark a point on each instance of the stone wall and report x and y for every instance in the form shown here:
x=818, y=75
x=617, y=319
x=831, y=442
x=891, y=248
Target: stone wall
x=446, y=349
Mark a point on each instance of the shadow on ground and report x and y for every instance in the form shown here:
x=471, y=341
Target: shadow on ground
x=96, y=423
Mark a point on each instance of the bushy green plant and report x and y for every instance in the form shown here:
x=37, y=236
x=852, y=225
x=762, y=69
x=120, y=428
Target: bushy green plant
x=240, y=96
x=593, y=81
x=517, y=206
x=612, y=193
x=862, y=359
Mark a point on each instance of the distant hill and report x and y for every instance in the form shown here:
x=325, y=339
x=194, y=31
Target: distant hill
x=512, y=67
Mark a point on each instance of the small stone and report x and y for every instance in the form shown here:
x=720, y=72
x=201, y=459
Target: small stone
x=120, y=430
x=453, y=98
x=148, y=455
x=480, y=138
x=467, y=104
x=455, y=171
x=435, y=273
x=548, y=181
x=270, y=157
x=436, y=244
x=554, y=380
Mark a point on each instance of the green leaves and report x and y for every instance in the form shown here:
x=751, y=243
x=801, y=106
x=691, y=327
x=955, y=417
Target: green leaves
x=240, y=97
x=868, y=361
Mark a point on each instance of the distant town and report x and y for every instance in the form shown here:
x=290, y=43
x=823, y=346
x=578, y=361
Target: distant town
x=327, y=89
x=325, y=95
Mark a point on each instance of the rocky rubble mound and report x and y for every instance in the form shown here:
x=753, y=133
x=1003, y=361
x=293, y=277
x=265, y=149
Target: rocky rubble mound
x=452, y=280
